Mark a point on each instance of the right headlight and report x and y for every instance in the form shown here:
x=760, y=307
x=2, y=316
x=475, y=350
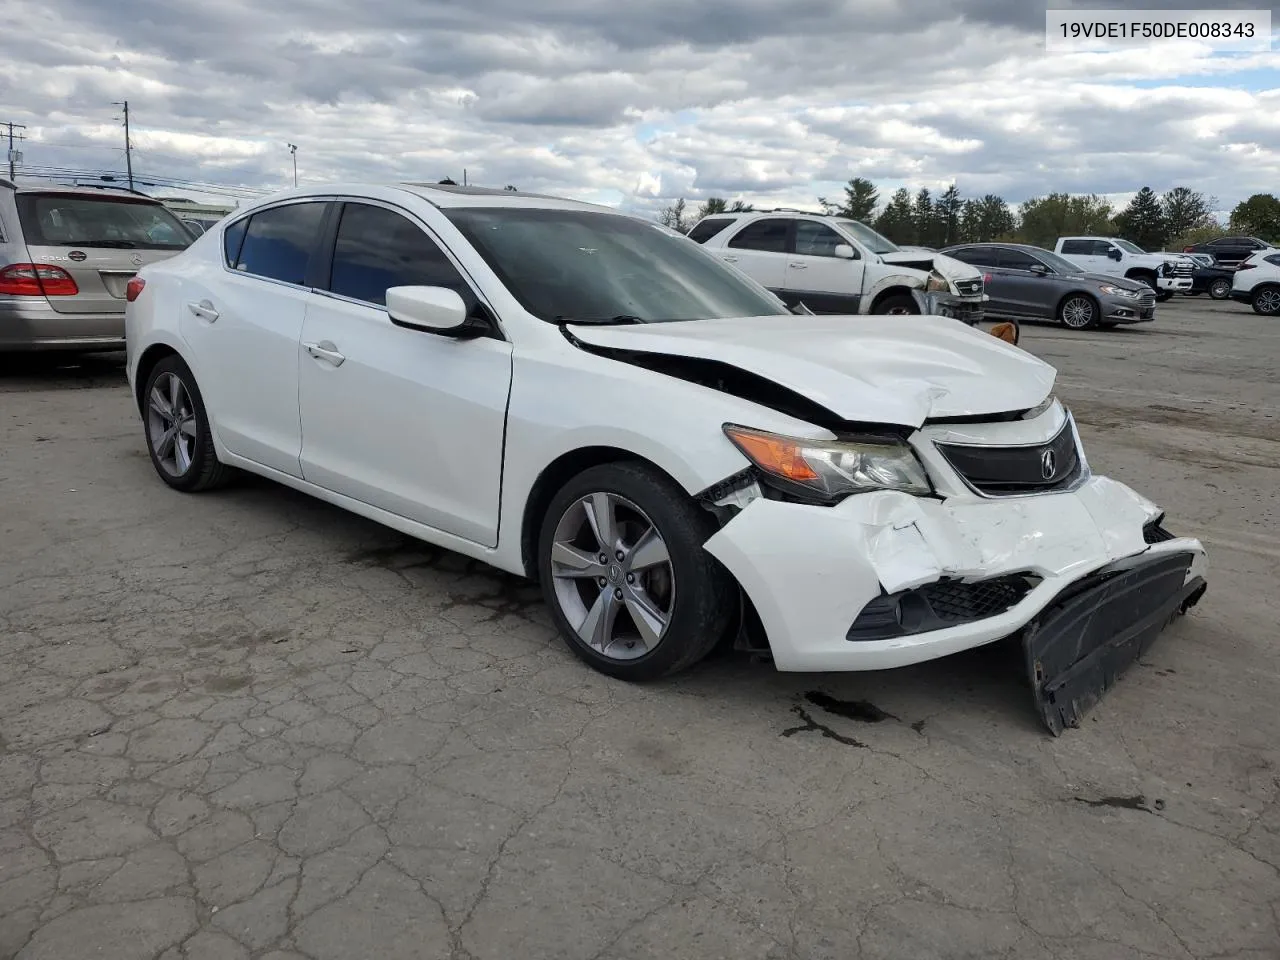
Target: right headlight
x=830, y=470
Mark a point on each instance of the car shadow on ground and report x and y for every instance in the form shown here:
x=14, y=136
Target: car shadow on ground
x=56, y=370
x=986, y=686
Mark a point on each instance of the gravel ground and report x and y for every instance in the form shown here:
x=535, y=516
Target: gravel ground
x=246, y=724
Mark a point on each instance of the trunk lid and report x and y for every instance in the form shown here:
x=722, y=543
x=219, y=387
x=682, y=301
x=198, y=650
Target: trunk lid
x=100, y=241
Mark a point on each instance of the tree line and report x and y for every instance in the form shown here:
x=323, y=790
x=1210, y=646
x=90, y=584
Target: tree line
x=1181, y=216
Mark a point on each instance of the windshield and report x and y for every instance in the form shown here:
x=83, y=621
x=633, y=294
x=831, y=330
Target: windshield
x=1128, y=247
x=75, y=220
x=575, y=265
x=868, y=237
x=1056, y=263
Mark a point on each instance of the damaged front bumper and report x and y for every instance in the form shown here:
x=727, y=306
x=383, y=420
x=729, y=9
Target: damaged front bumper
x=886, y=579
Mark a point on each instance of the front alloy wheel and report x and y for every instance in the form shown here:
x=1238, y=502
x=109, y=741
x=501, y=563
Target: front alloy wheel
x=1220, y=289
x=1078, y=313
x=1267, y=301
x=624, y=572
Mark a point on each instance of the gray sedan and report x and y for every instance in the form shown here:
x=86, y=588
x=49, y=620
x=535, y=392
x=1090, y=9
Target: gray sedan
x=1031, y=283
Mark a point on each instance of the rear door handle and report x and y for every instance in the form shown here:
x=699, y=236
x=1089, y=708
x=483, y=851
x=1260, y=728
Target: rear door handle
x=326, y=351
x=799, y=266
x=204, y=310
x=730, y=259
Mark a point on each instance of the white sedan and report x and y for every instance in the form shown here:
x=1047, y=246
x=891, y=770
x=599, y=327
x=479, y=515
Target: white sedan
x=587, y=399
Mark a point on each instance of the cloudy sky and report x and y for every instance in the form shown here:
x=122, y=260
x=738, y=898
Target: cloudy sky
x=774, y=101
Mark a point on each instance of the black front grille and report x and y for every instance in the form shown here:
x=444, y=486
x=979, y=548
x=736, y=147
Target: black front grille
x=1009, y=471
x=936, y=606
x=969, y=288
x=1154, y=532
x=1147, y=300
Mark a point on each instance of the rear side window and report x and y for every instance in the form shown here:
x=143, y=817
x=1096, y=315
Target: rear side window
x=708, y=227
x=75, y=220
x=1079, y=248
x=769, y=236
x=232, y=238
x=278, y=242
x=1274, y=259
x=976, y=256
x=377, y=248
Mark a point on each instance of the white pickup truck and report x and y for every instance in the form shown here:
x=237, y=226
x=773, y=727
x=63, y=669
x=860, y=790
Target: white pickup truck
x=837, y=266
x=1120, y=258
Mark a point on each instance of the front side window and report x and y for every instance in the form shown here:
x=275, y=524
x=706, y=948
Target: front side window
x=279, y=241
x=1128, y=247
x=767, y=236
x=974, y=256
x=75, y=220
x=868, y=237
x=581, y=265
x=377, y=249
x=814, y=239
x=1017, y=260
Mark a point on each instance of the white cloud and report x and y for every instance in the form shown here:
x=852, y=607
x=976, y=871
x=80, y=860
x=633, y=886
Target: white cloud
x=770, y=102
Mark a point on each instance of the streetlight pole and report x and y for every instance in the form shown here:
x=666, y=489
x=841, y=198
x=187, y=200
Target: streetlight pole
x=293, y=152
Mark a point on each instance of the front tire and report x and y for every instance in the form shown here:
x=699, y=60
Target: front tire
x=1220, y=289
x=1266, y=301
x=1078, y=312
x=897, y=305
x=177, y=428
x=623, y=569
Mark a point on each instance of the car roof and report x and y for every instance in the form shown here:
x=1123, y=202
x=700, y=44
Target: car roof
x=62, y=189
x=1028, y=247
x=438, y=195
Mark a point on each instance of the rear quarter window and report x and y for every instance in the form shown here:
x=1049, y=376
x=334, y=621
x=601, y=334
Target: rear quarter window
x=1077, y=247
x=708, y=227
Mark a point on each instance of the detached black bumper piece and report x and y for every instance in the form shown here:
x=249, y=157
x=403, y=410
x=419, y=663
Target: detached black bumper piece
x=1094, y=630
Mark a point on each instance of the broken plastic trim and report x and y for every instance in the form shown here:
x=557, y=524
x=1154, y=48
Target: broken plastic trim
x=939, y=605
x=1079, y=646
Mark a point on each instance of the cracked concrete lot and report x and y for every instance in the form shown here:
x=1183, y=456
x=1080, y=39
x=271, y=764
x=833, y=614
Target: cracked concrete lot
x=245, y=724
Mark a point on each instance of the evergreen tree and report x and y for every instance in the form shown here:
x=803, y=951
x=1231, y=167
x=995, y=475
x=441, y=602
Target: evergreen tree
x=925, y=218
x=897, y=222
x=1143, y=221
x=676, y=216
x=987, y=219
x=1186, y=211
x=948, y=210
x=860, y=201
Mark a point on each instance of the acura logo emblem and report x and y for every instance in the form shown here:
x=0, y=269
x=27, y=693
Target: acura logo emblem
x=1048, y=464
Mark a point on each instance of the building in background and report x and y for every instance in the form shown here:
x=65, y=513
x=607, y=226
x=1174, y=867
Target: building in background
x=195, y=213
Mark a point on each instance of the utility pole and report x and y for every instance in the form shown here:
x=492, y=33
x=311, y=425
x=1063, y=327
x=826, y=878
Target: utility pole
x=13, y=154
x=293, y=152
x=128, y=145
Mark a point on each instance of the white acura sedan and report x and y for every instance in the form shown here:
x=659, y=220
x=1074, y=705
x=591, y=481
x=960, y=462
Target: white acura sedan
x=589, y=400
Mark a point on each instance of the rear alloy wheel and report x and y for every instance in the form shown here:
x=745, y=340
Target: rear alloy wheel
x=1220, y=289
x=1267, y=301
x=1078, y=312
x=177, y=428
x=624, y=572
x=899, y=305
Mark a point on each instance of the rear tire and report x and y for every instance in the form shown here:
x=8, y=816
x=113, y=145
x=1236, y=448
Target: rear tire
x=1220, y=289
x=1266, y=301
x=177, y=429
x=650, y=601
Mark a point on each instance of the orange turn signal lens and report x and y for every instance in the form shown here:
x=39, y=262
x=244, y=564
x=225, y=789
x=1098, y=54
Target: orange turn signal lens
x=780, y=456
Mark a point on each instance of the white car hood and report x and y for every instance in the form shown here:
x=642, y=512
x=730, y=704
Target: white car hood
x=949, y=267
x=891, y=370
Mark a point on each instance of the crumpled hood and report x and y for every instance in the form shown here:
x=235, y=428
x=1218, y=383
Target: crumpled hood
x=872, y=369
x=949, y=267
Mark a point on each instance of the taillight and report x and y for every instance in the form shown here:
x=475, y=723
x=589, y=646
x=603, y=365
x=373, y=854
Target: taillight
x=1188, y=249
x=37, y=279
x=133, y=288
x=986, y=278
x=1245, y=266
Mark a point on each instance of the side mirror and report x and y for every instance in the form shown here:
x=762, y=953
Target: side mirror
x=844, y=251
x=1115, y=254
x=432, y=309
x=1039, y=269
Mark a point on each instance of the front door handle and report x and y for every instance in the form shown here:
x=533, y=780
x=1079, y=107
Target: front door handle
x=799, y=266
x=326, y=351
x=730, y=259
x=204, y=310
